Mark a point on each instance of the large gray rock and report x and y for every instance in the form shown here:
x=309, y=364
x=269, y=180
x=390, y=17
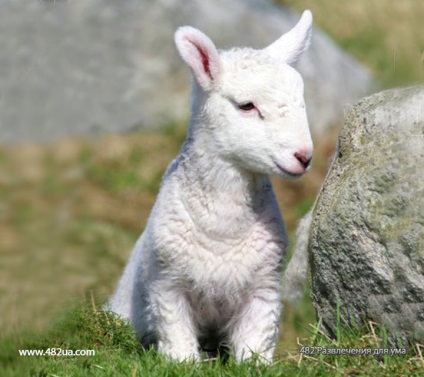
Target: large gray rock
x=72, y=67
x=366, y=244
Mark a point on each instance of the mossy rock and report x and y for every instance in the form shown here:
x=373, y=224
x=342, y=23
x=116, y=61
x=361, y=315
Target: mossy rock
x=366, y=245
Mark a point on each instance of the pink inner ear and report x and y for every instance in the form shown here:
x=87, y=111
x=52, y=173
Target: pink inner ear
x=205, y=62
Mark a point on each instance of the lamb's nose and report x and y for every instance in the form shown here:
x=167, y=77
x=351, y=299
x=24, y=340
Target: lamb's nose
x=304, y=159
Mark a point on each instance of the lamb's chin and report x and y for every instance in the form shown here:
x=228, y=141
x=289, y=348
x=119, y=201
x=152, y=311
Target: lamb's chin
x=285, y=173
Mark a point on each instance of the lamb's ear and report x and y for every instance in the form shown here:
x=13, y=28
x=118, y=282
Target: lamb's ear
x=295, y=42
x=199, y=52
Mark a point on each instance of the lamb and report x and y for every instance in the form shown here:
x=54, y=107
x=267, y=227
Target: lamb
x=206, y=271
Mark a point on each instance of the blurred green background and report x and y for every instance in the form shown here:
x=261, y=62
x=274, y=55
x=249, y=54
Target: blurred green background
x=71, y=210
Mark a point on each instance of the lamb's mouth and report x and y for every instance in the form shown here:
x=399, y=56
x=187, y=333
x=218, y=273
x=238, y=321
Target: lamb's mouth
x=294, y=175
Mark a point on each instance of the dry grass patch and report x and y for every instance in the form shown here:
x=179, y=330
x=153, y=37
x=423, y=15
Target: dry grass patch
x=387, y=36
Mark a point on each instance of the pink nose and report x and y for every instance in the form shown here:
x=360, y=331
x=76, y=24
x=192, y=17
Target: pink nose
x=303, y=158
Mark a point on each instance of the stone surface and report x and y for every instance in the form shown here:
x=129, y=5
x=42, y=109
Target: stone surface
x=366, y=244
x=89, y=66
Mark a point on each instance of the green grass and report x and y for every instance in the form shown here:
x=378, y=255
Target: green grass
x=117, y=353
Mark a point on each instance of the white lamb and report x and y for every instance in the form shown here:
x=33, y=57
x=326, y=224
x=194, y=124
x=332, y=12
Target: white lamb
x=207, y=269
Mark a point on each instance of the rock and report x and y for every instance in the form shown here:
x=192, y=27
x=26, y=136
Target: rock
x=366, y=244
x=83, y=67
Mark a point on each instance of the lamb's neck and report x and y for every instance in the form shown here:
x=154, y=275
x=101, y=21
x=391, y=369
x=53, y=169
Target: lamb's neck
x=225, y=200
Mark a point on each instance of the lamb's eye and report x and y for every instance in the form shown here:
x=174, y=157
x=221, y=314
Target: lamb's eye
x=246, y=106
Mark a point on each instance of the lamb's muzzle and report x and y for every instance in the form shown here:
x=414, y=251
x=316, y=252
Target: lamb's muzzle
x=304, y=158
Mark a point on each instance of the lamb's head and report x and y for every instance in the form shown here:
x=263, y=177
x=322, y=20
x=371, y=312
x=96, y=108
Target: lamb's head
x=249, y=103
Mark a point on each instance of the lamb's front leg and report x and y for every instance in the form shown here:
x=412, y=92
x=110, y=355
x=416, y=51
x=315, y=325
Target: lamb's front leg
x=255, y=330
x=175, y=329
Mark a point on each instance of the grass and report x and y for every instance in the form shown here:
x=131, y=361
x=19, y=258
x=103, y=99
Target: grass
x=117, y=353
x=70, y=212
x=386, y=36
